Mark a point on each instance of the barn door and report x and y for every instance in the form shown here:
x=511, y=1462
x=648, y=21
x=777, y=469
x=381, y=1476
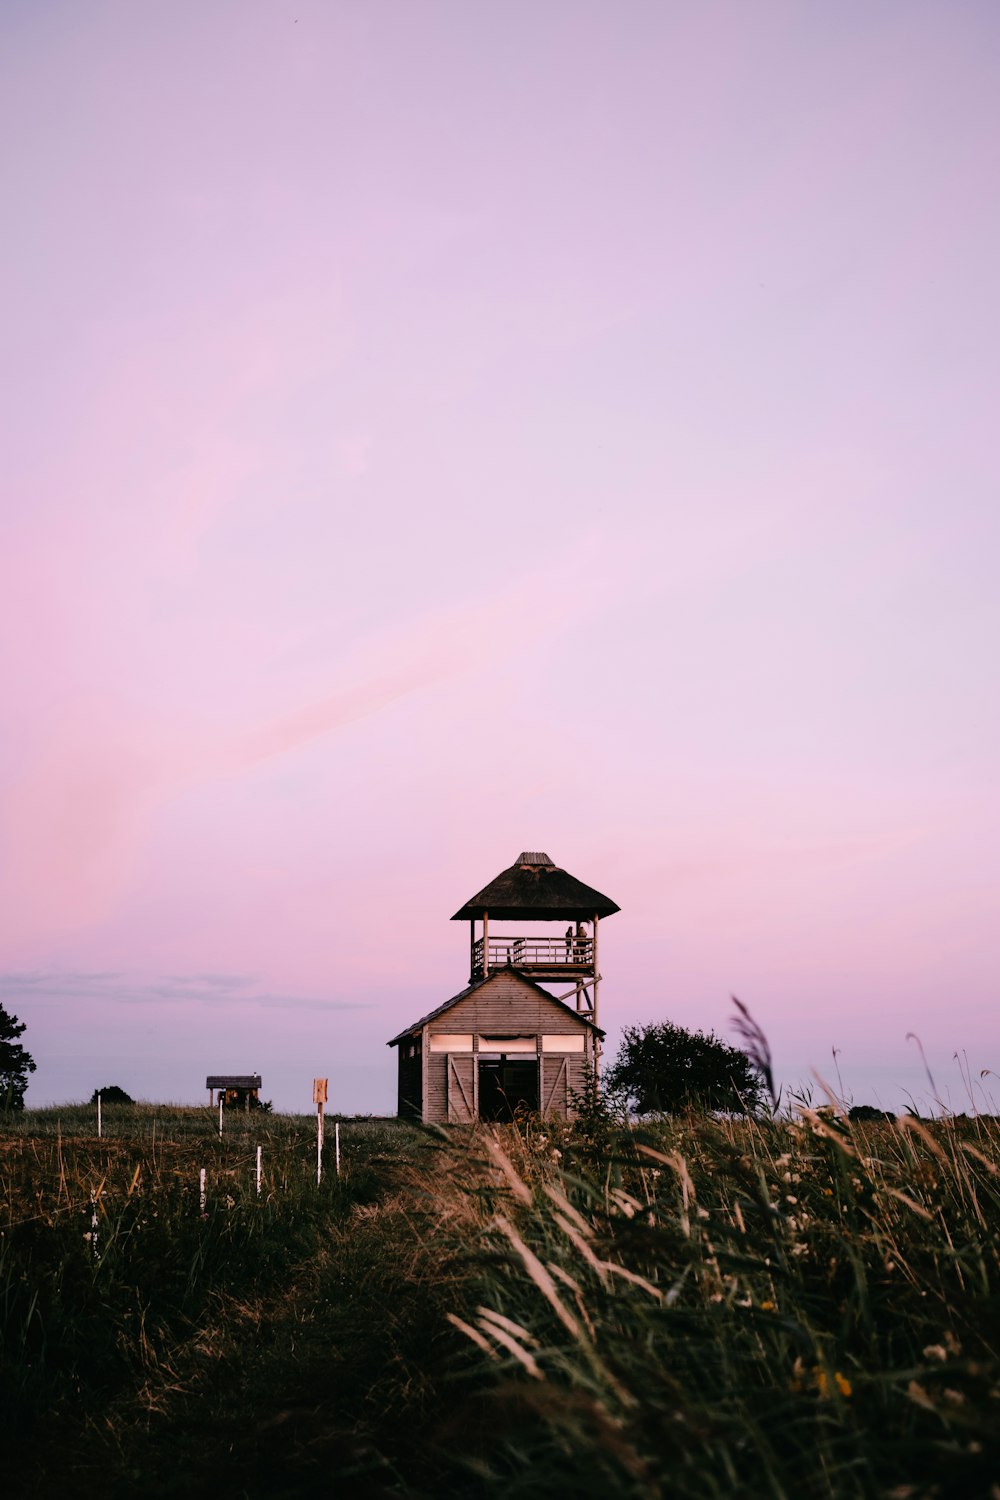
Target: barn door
x=555, y=1092
x=461, y=1108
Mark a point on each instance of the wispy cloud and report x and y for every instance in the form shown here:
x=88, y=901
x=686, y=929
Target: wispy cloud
x=208, y=991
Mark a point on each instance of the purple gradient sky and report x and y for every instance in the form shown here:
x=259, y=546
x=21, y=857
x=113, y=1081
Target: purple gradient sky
x=435, y=430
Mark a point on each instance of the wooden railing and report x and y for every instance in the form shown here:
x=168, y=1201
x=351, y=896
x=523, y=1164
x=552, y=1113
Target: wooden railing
x=534, y=953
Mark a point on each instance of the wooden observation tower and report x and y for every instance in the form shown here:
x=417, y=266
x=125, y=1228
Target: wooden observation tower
x=535, y=891
x=505, y=1043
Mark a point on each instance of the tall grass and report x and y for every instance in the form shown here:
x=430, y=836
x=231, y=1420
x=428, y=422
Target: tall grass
x=783, y=1307
x=108, y=1258
x=796, y=1307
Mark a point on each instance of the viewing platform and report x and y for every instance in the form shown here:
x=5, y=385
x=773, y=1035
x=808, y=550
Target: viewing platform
x=540, y=957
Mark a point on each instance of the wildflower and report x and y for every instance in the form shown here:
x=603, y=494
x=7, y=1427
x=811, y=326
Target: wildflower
x=768, y=1306
x=936, y=1351
x=821, y=1382
x=790, y=1199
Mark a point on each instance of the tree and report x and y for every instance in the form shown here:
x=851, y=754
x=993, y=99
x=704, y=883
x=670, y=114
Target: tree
x=15, y=1062
x=869, y=1113
x=663, y=1068
x=112, y=1095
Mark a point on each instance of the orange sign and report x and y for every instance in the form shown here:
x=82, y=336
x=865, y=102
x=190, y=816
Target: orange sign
x=319, y=1090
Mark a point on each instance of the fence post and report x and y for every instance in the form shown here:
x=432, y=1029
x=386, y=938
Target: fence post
x=258, y=1171
x=98, y=1115
x=319, y=1099
x=201, y=1189
x=222, y=1095
x=336, y=1141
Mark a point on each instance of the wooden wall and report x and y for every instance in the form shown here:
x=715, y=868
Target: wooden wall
x=504, y=1004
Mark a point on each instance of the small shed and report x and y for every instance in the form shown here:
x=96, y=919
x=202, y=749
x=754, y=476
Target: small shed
x=501, y=1044
x=236, y=1090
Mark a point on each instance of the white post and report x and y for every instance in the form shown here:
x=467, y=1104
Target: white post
x=222, y=1095
x=98, y=1116
x=319, y=1144
x=258, y=1171
x=336, y=1142
x=93, y=1225
x=201, y=1189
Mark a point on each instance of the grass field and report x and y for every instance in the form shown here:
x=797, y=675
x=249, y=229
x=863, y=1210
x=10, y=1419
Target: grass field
x=780, y=1308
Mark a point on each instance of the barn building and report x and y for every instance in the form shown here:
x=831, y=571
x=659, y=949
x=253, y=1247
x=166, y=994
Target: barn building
x=236, y=1090
x=505, y=1041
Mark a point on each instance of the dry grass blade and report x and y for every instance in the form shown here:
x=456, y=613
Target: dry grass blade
x=757, y=1048
x=911, y=1203
x=580, y=1244
x=502, y=1160
x=563, y=1203
x=634, y=1277
x=539, y=1276
x=513, y=1347
x=476, y=1337
x=507, y=1323
x=906, y=1123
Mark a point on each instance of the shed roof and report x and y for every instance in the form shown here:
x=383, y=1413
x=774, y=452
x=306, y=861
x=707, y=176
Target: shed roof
x=233, y=1081
x=470, y=989
x=539, y=891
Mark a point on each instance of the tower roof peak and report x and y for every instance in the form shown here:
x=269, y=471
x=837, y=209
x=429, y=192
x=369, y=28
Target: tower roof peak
x=535, y=889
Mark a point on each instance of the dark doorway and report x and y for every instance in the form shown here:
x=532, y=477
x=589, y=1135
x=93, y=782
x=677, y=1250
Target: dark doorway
x=507, y=1085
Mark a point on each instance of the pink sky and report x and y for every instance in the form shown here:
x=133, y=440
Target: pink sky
x=438, y=430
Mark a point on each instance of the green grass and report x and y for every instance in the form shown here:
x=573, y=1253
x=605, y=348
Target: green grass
x=696, y=1308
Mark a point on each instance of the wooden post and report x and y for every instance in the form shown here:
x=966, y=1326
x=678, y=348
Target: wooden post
x=336, y=1144
x=423, y=1075
x=319, y=1099
x=98, y=1116
x=486, y=944
x=593, y=1015
x=472, y=950
x=201, y=1189
x=222, y=1095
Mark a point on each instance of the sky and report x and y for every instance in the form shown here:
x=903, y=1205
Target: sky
x=435, y=430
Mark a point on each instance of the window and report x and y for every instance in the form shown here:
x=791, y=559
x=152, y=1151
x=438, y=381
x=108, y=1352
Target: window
x=575, y=1043
x=507, y=1044
x=451, y=1041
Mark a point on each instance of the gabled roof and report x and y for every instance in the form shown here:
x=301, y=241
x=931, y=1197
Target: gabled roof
x=537, y=890
x=477, y=985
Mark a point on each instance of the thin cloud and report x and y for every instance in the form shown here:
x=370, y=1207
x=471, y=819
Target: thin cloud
x=209, y=991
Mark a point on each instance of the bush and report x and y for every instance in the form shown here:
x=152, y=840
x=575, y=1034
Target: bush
x=112, y=1095
x=868, y=1112
x=662, y=1068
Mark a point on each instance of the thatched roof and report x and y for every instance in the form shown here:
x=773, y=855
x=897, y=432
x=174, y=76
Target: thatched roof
x=470, y=989
x=233, y=1081
x=537, y=890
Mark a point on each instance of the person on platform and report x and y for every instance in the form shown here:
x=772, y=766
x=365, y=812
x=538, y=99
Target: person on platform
x=582, y=942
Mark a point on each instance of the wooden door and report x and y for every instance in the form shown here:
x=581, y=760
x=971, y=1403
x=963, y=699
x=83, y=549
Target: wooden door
x=555, y=1086
x=460, y=1089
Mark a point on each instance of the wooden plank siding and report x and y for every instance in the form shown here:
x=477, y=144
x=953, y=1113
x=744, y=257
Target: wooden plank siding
x=503, y=1006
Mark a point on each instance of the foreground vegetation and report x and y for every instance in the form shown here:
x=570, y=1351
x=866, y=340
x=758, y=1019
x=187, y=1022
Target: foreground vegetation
x=792, y=1307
